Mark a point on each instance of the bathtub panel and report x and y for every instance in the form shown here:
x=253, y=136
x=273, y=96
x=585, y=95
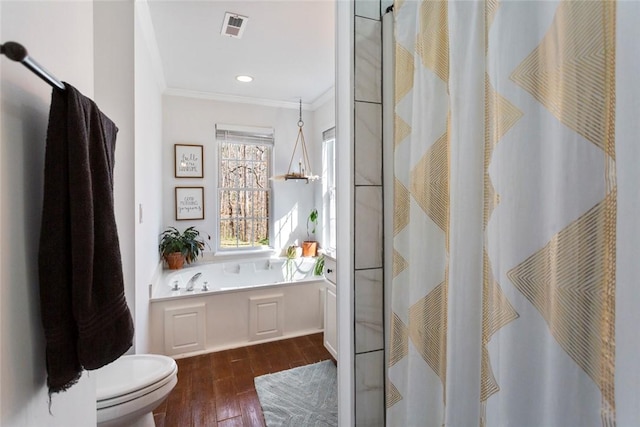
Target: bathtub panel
x=184, y=330
x=231, y=313
x=227, y=314
x=228, y=319
x=266, y=317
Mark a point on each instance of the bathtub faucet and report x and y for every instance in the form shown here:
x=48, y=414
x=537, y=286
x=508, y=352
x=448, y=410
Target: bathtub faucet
x=192, y=281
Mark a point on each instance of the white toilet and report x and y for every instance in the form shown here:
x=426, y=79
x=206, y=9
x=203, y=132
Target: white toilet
x=131, y=387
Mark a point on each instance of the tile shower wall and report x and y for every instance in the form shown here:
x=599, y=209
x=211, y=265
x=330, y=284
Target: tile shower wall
x=368, y=210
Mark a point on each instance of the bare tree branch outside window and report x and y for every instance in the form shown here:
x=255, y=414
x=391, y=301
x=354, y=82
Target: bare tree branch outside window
x=244, y=194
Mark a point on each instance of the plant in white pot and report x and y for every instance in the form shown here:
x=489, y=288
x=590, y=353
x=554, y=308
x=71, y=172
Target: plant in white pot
x=309, y=246
x=176, y=247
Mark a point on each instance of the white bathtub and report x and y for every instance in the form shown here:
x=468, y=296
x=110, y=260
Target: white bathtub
x=233, y=276
x=247, y=302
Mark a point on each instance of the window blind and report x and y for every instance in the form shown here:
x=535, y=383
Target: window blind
x=329, y=134
x=244, y=134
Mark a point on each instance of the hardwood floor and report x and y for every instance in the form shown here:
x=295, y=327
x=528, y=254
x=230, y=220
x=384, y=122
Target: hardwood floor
x=217, y=389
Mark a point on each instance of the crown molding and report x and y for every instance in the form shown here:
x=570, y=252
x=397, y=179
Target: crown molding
x=324, y=98
x=187, y=93
x=294, y=105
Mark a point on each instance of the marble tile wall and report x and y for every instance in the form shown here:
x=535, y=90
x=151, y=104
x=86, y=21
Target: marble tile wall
x=368, y=60
x=368, y=210
x=369, y=310
x=368, y=128
x=368, y=227
x=369, y=389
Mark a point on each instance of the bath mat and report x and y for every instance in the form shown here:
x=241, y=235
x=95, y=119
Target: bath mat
x=300, y=397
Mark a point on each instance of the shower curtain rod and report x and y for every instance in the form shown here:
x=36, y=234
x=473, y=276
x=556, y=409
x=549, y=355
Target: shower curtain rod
x=17, y=52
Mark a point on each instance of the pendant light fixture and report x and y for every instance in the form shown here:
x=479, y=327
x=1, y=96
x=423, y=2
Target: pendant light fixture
x=303, y=170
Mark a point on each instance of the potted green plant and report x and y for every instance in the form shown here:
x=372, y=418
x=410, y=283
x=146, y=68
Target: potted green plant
x=309, y=246
x=292, y=253
x=318, y=267
x=176, y=247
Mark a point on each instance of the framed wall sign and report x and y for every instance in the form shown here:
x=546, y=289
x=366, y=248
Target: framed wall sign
x=189, y=203
x=188, y=161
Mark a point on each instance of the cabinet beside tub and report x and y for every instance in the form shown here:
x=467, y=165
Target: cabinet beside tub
x=330, y=307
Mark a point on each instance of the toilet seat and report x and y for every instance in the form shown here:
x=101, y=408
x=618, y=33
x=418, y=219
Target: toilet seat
x=131, y=377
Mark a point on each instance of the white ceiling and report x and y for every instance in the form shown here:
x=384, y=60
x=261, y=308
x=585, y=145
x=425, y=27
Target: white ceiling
x=287, y=46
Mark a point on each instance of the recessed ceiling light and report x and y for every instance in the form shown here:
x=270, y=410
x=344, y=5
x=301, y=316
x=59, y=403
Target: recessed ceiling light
x=244, y=79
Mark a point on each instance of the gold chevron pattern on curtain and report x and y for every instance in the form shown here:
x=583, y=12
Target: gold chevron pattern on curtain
x=548, y=226
x=432, y=45
x=565, y=281
x=421, y=200
x=500, y=116
x=403, y=81
x=430, y=183
x=402, y=206
x=571, y=72
x=427, y=329
x=571, y=281
x=497, y=312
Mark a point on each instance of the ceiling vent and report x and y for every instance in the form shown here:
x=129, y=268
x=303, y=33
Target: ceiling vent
x=234, y=25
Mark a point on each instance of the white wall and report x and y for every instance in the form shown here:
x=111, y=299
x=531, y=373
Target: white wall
x=324, y=118
x=59, y=35
x=192, y=121
x=344, y=204
x=114, y=86
x=148, y=178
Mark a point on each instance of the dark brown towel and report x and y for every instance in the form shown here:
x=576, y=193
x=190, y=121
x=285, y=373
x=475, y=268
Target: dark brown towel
x=86, y=320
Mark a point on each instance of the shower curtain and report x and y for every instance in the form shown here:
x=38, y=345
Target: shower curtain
x=503, y=303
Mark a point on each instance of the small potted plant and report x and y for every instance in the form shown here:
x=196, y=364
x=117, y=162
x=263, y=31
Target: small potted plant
x=310, y=247
x=292, y=253
x=318, y=267
x=176, y=247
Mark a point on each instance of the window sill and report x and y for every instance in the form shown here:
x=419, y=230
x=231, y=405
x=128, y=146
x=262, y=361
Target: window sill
x=235, y=254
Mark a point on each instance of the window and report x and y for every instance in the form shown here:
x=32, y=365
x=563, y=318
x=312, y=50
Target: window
x=329, y=188
x=244, y=189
